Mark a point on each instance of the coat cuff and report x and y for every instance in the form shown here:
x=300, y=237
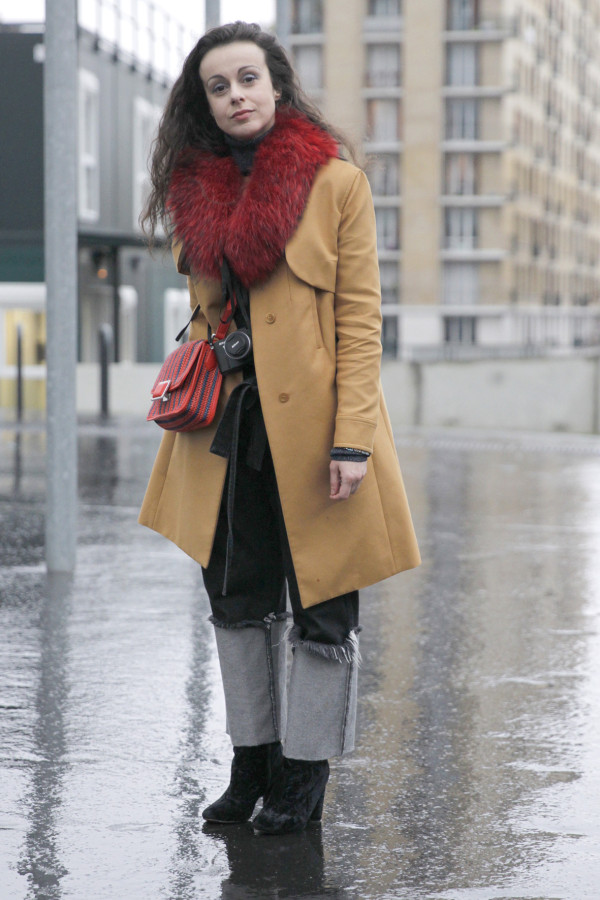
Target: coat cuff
x=356, y=433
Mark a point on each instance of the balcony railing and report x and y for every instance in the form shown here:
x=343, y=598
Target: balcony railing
x=382, y=78
x=494, y=24
x=140, y=33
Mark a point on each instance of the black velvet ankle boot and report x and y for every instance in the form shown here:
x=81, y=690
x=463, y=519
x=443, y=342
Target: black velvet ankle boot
x=297, y=797
x=253, y=772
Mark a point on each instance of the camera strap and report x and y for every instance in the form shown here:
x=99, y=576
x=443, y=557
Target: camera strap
x=243, y=401
x=232, y=289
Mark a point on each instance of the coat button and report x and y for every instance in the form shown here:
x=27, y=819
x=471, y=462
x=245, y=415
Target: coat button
x=283, y=398
x=270, y=318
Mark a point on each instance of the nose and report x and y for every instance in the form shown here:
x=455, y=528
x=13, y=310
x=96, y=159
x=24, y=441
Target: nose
x=237, y=93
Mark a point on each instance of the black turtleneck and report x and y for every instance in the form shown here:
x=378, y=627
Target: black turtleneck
x=243, y=151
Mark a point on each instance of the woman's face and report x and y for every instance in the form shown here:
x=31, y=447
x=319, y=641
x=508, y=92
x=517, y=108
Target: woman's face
x=239, y=89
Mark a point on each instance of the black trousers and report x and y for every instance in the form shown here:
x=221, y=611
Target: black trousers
x=261, y=562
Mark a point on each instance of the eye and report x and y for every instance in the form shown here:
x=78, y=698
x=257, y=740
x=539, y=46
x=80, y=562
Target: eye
x=249, y=77
x=218, y=88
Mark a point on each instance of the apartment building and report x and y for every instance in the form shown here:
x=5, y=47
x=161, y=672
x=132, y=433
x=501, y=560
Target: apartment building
x=479, y=121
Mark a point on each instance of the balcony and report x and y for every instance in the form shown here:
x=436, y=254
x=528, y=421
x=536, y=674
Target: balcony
x=472, y=254
x=476, y=91
x=473, y=200
x=496, y=28
x=390, y=78
x=387, y=25
x=472, y=145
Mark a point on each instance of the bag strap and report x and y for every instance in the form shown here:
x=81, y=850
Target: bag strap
x=181, y=333
x=223, y=323
x=221, y=330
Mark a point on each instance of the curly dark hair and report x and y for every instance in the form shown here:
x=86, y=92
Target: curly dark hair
x=186, y=121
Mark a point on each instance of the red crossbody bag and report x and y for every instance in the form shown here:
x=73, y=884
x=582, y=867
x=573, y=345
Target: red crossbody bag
x=186, y=391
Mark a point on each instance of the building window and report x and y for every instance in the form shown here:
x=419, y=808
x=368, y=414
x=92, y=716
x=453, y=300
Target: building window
x=461, y=228
x=145, y=123
x=307, y=17
x=462, y=15
x=460, y=173
x=384, y=7
x=461, y=64
x=383, y=120
x=308, y=62
x=383, y=65
x=388, y=275
x=384, y=174
x=461, y=120
x=460, y=330
x=390, y=337
x=89, y=146
x=461, y=284
x=387, y=228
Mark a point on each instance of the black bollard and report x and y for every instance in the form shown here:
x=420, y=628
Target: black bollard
x=105, y=339
x=19, y=372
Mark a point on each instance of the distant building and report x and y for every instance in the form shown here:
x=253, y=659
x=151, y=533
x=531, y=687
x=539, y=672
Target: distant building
x=120, y=101
x=480, y=123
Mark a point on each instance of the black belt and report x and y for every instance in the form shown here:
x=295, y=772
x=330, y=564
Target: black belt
x=243, y=400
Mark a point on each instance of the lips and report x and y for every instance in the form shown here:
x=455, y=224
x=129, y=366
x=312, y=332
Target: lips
x=240, y=113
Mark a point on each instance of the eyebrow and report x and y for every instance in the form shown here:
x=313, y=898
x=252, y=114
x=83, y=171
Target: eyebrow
x=241, y=69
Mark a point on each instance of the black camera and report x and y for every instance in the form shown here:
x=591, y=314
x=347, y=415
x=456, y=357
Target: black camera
x=234, y=351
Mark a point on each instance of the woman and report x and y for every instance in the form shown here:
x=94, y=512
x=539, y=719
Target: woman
x=297, y=481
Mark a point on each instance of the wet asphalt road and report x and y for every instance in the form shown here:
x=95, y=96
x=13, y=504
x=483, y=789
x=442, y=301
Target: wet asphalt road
x=476, y=774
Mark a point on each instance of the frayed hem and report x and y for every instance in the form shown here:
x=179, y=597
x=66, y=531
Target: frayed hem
x=252, y=623
x=347, y=652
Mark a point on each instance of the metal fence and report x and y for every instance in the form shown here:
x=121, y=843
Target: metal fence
x=140, y=33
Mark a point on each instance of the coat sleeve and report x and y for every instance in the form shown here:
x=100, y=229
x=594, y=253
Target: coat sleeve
x=357, y=320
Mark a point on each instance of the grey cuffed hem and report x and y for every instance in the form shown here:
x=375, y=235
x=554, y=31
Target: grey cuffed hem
x=348, y=652
x=321, y=705
x=252, y=623
x=253, y=668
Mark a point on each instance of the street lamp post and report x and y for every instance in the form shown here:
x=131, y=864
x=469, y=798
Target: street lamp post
x=212, y=13
x=282, y=10
x=60, y=238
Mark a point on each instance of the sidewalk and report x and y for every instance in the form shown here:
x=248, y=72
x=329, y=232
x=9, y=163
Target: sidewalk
x=476, y=771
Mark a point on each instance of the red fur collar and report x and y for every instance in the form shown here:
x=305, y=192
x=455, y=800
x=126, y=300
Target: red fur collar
x=213, y=217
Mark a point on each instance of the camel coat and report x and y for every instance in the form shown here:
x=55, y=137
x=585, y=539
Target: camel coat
x=316, y=326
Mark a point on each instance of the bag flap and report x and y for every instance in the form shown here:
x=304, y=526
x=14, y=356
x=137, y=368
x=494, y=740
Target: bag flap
x=179, y=364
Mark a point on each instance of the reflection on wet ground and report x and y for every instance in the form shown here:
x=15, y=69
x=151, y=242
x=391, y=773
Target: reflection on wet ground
x=475, y=775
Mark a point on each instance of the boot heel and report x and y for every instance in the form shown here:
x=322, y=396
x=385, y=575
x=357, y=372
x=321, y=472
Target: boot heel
x=317, y=813
x=297, y=798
